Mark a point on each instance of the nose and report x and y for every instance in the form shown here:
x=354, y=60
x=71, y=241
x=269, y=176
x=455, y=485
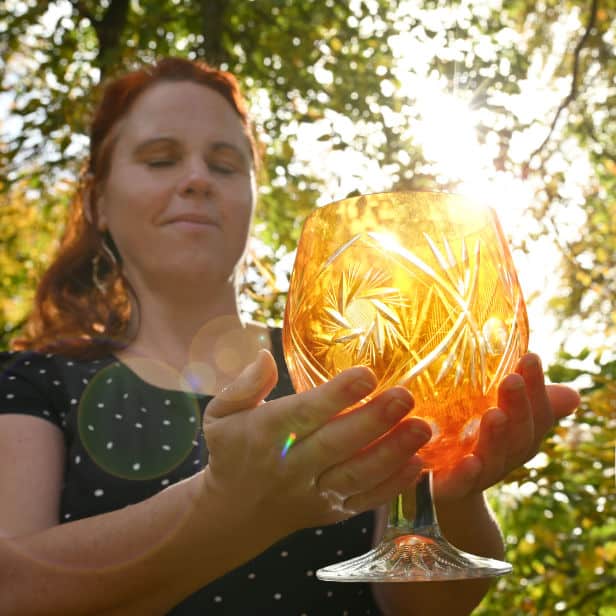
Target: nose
x=197, y=179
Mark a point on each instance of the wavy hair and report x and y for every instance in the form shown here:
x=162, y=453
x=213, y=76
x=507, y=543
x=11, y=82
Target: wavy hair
x=82, y=305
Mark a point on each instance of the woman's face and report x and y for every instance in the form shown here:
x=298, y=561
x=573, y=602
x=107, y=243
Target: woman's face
x=179, y=197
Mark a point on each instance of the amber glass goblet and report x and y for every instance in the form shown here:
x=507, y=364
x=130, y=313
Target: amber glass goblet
x=421, y=288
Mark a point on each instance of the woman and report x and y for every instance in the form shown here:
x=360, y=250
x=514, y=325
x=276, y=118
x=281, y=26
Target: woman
x=114, y=502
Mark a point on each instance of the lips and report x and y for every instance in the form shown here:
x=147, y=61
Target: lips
x=192, y=218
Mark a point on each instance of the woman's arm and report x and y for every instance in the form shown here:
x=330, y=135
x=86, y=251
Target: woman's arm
x=96, y=564
x=146, y=558
x=509, y=436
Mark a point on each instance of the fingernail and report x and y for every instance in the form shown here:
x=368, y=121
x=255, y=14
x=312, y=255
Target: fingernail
x=250, y=370
x=530, y=363
x=361, y=387
x=416, y=436
x=513, y=383
x=396, y=409
x=472, y=465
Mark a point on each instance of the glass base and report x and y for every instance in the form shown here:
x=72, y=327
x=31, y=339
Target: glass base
x=425, y=557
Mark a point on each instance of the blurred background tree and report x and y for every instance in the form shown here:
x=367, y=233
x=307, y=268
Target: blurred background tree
x=512, y=99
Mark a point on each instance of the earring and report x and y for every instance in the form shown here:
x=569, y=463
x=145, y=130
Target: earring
x=108, y=255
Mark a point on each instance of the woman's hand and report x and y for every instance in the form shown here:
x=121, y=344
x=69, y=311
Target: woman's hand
x=338, y=464
x=510, y=434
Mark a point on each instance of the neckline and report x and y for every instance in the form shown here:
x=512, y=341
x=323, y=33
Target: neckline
x=114, y=360
x=197, y=394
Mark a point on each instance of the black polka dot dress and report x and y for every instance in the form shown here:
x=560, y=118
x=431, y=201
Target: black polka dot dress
x=126, y=440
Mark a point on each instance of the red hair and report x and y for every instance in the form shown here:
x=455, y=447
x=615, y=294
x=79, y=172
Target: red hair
x=71, y=314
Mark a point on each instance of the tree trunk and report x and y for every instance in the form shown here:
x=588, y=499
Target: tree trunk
x=213, y=17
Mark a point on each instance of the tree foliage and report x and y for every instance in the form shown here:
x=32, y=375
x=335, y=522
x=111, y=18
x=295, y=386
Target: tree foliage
x=540, y=78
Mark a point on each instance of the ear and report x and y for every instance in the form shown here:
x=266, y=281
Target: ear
x=92, y=206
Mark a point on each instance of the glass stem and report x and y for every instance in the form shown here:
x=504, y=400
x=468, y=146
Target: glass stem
x=424, y=516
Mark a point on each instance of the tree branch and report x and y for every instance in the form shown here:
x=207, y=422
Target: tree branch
x=574, y=81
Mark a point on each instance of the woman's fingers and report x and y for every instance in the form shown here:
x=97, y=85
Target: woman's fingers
x=405, y=477
x=383, y=459
x=492, y=447
x=542, y=414
x=513, y=400
x=346, y=434
x=252, y=385
x=563, y=399
x=306, y=412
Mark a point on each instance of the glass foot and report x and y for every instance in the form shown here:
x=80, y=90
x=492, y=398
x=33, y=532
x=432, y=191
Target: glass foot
x=426, y=557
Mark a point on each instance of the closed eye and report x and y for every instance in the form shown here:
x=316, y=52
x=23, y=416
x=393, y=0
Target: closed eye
x=224, y=168
x=160, y=162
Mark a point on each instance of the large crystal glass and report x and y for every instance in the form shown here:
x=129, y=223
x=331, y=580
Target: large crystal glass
x=420, y=287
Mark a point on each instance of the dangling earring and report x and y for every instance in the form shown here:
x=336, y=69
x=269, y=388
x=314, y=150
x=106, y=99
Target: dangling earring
x=108, y=255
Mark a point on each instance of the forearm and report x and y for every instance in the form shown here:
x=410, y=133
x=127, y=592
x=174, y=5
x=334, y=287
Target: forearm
x=470, y=526
x=126, y=557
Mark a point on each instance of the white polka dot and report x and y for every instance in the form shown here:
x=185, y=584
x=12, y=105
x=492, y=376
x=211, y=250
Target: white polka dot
x=101, y=405
x=56, y=382
x=48, y=355
x=46, y=413
x=217, y=599
x=98, y=492
x=339, y=553
x=110, y=445
x=77, y=459
x=166, y=422
x=118, y=416
x=166, y=447
x=195, y=443
x=364, y=531
x=277, y=596
x=67, y=516
x=167, y=402
x=125, y=396
x=70, y=363
x=310, y=573
x=91, y=427
x=84, y=381
x=164, y=482
x=143, y=409
x=318, y=531
x=10, y=396
x=252, y=576
x=196, y=462
x=42, y=371
x=27, y=363
x=109, y=381
x=12, y=378
x=330, y=593
x=73, y=400
x=136, y=466
x=284, y=553
x=138, y=425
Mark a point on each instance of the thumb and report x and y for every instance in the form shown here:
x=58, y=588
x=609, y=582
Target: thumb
x=563, y=399
x=248, y=389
